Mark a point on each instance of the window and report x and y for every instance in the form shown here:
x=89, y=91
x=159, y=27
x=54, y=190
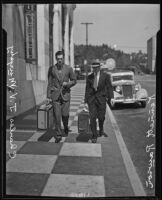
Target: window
x=30, y=33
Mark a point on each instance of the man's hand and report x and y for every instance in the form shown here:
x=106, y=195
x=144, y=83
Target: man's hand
x=85, y=106
x=48, y=100
x=112, y=101
x=65, y=84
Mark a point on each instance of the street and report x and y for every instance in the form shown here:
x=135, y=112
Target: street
x=133, y=124
x=116, y=165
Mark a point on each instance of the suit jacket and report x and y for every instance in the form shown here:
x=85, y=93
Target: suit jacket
x=55, y=88
x=104, y=89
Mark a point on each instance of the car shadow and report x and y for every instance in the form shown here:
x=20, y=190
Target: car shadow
x=126, y=106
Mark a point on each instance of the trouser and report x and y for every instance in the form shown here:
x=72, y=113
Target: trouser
x=97, y=111
x=61, y=111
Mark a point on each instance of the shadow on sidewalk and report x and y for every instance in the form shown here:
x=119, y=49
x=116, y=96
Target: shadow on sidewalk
x=26, y=120
x=49, y=134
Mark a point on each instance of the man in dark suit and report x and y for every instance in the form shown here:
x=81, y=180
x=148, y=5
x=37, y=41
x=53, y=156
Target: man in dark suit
x=61, y=78
x=98, y=91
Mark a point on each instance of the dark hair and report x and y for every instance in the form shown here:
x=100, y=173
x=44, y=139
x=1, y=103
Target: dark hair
x=59, y=53
x=96, y=64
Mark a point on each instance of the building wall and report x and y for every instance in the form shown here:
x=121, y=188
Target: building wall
x=31, y=77
x=151, y=53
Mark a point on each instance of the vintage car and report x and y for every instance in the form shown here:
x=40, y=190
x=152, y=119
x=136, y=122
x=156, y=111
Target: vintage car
x=126, y=91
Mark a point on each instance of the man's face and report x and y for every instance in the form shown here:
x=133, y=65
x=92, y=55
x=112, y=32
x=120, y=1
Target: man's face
x=60, y=59
x=96, y=69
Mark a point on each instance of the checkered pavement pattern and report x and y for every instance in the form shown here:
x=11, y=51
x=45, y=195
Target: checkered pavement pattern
x=72, y=168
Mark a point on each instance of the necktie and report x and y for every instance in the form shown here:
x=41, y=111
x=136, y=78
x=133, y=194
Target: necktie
x=95, y=81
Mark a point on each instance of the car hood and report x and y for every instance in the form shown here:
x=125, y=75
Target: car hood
x=123, y=82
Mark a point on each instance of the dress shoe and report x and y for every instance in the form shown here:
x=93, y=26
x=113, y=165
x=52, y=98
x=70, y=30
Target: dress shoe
x=101, y=133
x=94, y=140
x=58, y=139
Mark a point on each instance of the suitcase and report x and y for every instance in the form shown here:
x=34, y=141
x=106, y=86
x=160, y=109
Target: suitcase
x=45, y=118
x=83, y=122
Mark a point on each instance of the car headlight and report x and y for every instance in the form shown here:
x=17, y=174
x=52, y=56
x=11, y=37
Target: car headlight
x=118, y=88
x=137, y=87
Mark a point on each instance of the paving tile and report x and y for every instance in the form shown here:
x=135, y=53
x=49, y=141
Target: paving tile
x=73, y=110
x=19, y=136
x=71, y=118
x=112, y=155
x=41, y=148
x=25, y=183
x=22, y=130
x=77, y=97
x=70, y=185
x=53, y=140
x=13, y=146
x=77, y=93
x=81, y=149
x=117, y=189
x=48, y=134
x=71, y=138
x=31, y=163
x=72, y=113
x=78, y=165
x=25, y=126
x=74, y=129
x=31, y=117
x=25, y=122
x=116, y=177
x=84, y=137
x=35, y=137
x=73, y=107
x=81, y=105
x=74, y=123
x=75, y=103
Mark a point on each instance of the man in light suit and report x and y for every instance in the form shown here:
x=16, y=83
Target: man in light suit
x=98, y=91
x=60, y=79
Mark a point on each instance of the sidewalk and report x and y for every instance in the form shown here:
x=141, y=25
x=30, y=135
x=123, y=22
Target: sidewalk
x=73, y=167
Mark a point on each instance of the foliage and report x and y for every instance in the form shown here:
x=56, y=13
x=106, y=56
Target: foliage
x=103, y=52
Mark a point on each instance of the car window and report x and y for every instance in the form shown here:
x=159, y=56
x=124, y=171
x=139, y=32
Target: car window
x=123, y=77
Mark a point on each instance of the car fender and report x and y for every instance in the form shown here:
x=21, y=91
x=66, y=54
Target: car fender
x=141, y=94
x=116, y=94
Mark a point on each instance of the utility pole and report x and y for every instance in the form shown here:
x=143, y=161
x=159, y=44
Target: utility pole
x=86, y=24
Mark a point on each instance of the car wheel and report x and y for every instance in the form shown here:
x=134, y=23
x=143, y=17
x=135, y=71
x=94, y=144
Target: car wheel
x=143, y=104
x=112, y=107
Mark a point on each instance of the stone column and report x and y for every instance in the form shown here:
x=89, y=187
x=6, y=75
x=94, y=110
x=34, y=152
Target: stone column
x=66, y=37
x=43, y=41
x=7, y=22
x=55, y=31
x=72, y=44
x=60, y=27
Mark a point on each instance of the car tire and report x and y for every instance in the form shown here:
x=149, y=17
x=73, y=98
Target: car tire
x=143, y=104
x=112, y=107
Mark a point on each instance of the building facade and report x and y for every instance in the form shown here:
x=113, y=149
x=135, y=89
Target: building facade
x=151, y=54
x=35, y=32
